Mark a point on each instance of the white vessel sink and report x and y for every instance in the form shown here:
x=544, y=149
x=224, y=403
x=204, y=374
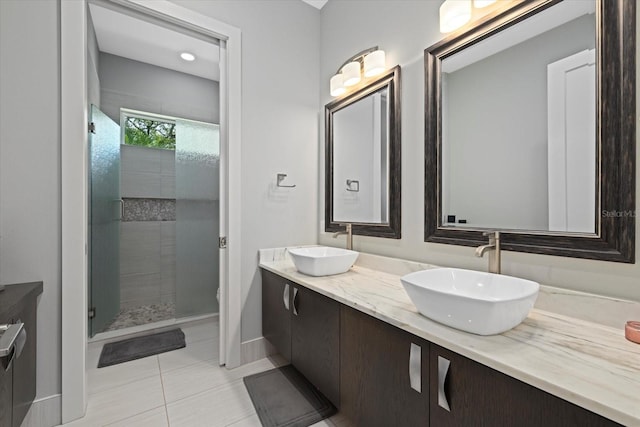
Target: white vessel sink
x=322, y=260
x=473, y=301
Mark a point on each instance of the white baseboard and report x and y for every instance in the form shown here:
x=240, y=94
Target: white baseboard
x=45, y=412
x=255, y=349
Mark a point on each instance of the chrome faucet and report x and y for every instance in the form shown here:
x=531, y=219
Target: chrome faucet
x=349, y=232
x=494, y=247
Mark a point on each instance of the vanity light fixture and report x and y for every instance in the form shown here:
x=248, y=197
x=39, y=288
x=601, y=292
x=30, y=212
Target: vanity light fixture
x=188, y=56
x=369, y=62
x=454, y=14
x=479, y=4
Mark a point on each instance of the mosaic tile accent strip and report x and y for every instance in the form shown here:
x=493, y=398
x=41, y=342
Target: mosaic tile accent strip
x=136, y=209
x=142, y=315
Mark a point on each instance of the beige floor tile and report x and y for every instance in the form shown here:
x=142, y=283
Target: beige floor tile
x=201, y=376
x=194, y=352
x=154, y=418
x=221, y=406
x=100, y=379
x=123, y=402
x=193, y=379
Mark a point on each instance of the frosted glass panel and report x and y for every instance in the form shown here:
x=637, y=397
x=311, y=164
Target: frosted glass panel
x=197, y=217
x=105, y=221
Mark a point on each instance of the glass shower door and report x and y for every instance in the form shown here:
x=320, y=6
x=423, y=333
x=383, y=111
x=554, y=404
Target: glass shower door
x=197, y=217
x=105, y=207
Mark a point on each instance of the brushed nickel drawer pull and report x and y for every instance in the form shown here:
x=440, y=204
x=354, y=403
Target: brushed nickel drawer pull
x=443, y=370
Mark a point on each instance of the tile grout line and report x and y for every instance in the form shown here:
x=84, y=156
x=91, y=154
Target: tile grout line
x=214, y=388
x=164, y=397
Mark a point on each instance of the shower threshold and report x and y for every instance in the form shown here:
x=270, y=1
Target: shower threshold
x=142, y=329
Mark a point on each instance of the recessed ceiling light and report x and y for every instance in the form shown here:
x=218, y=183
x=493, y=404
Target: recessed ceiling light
x=188, y=56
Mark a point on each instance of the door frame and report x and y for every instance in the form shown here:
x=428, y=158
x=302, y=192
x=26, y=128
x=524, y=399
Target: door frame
x=74, y=184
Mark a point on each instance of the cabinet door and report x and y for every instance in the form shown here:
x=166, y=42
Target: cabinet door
x=383, y=373
x=315, y=340
x=276, y=317
x=24, y=367
x=480, y=396
x=6, y=395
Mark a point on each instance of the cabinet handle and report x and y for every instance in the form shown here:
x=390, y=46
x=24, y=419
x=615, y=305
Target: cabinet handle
x=285, y=296
x=295, y=298
x=415, y=367
x=443, y=370
x=9, y=335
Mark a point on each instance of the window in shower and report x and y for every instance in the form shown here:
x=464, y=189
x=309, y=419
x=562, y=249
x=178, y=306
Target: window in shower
x=149, y=132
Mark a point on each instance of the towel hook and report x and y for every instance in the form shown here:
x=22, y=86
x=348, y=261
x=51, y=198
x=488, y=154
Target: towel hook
x=280, y=178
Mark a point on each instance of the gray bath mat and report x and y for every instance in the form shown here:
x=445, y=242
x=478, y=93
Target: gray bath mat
x=139, y=347
x=284, y=398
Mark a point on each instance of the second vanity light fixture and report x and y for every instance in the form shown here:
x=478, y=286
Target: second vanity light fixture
x=370, y=61
x=455, y=13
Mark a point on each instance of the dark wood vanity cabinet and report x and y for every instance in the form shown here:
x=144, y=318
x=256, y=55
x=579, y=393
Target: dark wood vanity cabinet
x=304, y=327
x=477, y=395
x=276, y=316
x=377, y=364
x=18, y=304
x=380, y=375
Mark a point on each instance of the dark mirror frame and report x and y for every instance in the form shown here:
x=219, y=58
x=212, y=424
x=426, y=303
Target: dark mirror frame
x=614, y=239
x=390, y=79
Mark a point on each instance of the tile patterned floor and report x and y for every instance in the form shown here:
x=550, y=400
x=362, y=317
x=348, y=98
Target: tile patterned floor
x=184, y=387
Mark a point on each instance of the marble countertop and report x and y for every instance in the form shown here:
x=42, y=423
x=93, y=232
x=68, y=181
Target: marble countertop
x=589, y=364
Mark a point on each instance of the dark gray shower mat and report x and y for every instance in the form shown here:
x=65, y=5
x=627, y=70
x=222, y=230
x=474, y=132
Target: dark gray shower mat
x=284, y=398
x=139, y=347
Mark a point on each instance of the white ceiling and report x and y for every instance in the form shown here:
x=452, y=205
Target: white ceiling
x=316, y=3
x=132, y=38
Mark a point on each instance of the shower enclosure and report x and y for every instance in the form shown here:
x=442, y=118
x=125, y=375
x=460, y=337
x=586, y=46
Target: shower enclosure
x=154, y=223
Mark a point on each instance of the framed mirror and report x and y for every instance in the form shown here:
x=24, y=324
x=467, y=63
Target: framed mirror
x=362, y=169
x=530, y=130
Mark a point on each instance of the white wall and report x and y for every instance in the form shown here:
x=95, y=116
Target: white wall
x=404, y=29
x=30, y=168
x=280, y=119
x=125, y=83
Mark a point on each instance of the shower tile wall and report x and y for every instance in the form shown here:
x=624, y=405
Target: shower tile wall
x=147, y=246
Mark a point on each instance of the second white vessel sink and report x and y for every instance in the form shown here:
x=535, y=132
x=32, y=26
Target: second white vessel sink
x=472, y=301
x=322, y=260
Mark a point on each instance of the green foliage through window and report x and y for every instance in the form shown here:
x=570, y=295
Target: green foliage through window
x=150, y=133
